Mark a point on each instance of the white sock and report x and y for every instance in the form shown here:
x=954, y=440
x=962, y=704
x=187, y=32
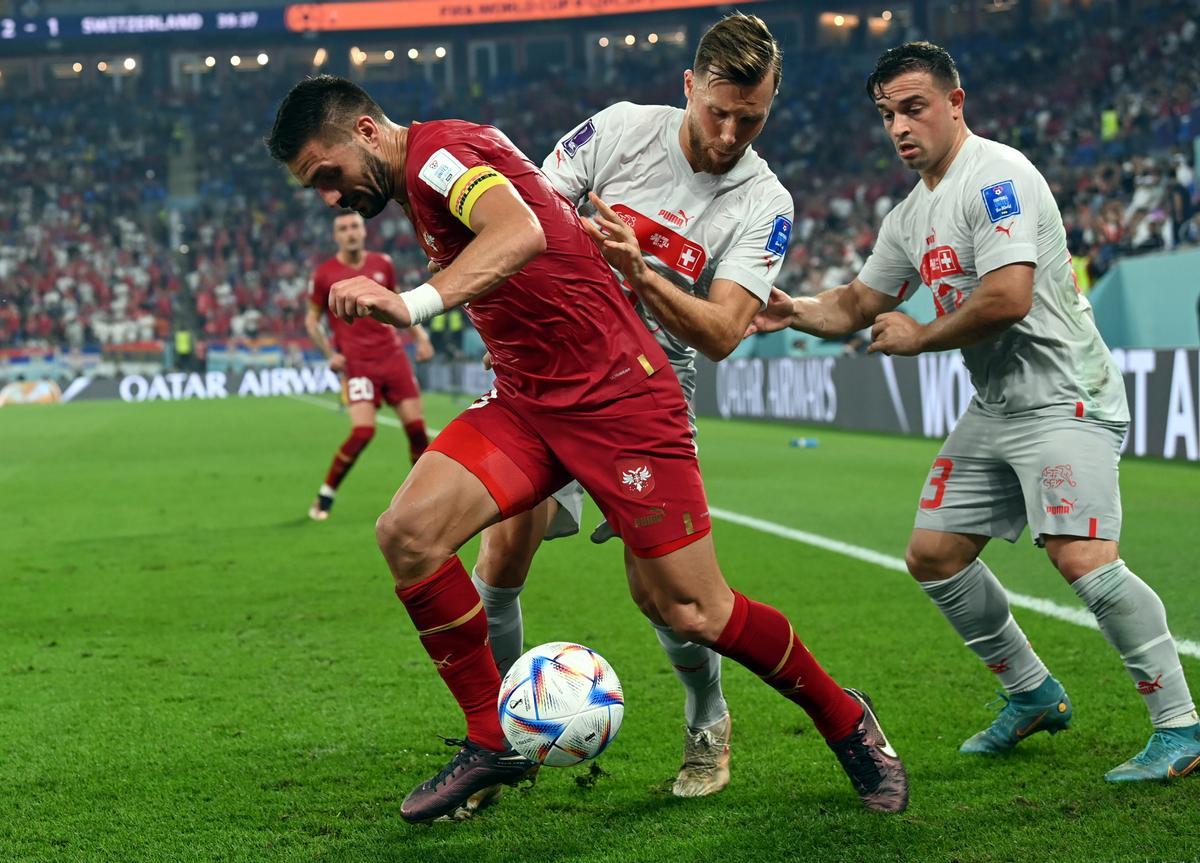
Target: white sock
x=976, y=605
x=506, y=630
x=699, y=670
x=1134, y=621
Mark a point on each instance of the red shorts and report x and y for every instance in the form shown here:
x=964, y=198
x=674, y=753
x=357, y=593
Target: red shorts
x=634, y=456
x=387, y=381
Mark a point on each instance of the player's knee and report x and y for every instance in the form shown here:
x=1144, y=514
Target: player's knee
x=688, y=621
x=1075, y=558
x=502, y=565
x=405, y=545
x=927, y=562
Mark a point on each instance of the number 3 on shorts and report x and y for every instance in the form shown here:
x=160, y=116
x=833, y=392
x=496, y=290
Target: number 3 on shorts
x=360, y=390
x=937, y=478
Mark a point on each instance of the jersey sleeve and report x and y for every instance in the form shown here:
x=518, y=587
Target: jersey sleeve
x=454, y=177
x=1003, y=214
x=756, y=256
x=573, y=164
x=318, y=294
x=888, y=269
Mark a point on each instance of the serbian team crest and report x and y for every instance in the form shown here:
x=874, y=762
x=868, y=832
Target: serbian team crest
x=1001, y=201
x=635, y=476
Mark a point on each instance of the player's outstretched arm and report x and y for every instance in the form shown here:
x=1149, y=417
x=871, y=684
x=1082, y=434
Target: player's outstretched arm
x=830, y=314
x=713, y=326
x=1003, y=298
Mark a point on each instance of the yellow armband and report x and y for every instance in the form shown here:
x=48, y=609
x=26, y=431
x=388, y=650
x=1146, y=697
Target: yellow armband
x=468, y=188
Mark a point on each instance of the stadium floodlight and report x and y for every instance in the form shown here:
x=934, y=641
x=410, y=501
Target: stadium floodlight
x=263, y=58
x=439, y=52
x=235, y=60
x=603, y=42
x=102, y=66
x=652, y=38
x=76, y=67
x=130, y=64
x=210, y=61
x=389, y=55
x=320, y=57
x=630, y=39
x=839, y=20
x=887, y=15
x=413, y=53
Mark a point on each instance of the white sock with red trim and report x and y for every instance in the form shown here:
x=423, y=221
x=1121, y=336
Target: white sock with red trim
x=976, y=605
x=1134, y=621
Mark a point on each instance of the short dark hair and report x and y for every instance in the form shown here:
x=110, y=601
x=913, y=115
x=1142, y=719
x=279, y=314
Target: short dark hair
x=912, y=57
x=323, y=106
x=739, y=49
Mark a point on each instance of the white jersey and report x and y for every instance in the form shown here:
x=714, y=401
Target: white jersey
x=991, y=209
x=692, y=227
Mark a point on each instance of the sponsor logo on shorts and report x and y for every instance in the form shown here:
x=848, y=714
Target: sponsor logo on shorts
x=1058, y=475
x=1063, y=507
x=653, y=517
x=635, y=476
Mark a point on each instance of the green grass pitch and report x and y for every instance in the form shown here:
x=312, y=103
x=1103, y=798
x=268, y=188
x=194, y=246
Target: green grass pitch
x=192, y=671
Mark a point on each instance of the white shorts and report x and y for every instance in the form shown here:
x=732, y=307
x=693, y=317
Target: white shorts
x=994, y=475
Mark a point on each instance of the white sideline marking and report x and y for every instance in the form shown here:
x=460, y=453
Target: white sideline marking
x=380, y=417
x=1033, y=603
x=1047, y=607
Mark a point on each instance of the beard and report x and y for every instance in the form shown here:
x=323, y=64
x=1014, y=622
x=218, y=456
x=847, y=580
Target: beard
x=700, y=152
x=370, y=201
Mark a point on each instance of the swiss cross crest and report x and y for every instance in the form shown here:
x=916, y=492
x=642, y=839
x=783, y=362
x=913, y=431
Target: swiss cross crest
x=635, y=476
x=691, y=258
x=1057, y=476
x=938, y=263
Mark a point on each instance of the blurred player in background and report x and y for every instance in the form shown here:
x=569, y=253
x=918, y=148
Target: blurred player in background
x=367, y=354
x=698, y=227
x=580, y=392
x=1040, y=442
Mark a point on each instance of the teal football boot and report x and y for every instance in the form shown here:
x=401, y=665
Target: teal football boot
x=1046, y=708
x=1171, y=753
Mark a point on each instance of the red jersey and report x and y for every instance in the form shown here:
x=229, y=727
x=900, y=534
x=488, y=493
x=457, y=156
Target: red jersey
x=560, y=332
x=365, y=340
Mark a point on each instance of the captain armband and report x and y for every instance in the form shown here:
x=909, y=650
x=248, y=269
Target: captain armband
x=468, y=189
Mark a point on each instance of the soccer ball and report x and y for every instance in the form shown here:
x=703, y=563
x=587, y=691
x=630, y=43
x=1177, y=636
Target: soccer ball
x=560, y=703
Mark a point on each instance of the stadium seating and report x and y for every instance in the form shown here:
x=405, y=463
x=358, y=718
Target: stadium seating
x=94, y=256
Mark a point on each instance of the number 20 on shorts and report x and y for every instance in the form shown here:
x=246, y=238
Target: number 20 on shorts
x=937, y=478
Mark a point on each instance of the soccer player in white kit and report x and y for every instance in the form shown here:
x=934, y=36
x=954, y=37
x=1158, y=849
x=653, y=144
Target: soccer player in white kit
x=698, y=225
x=1040, y=441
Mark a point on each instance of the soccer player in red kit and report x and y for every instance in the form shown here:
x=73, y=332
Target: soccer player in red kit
x=367, y=353
x=582, y=390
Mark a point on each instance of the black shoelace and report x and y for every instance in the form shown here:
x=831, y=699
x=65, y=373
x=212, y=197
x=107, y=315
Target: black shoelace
x=856, y=756
x=464, y=754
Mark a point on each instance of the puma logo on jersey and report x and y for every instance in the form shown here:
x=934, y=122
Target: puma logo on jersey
x=678, y=218
x=1006, y=231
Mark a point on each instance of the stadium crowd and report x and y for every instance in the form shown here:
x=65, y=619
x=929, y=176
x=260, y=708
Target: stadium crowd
x=92, y=254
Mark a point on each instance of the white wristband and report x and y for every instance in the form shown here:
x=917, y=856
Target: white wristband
x=422, y=302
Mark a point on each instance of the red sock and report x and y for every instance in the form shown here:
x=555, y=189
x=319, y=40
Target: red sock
x=417, y=439
x=347, y=455
x=452, y=625
x=761, y=638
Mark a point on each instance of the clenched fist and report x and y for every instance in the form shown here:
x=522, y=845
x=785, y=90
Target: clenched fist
x=361, y=297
